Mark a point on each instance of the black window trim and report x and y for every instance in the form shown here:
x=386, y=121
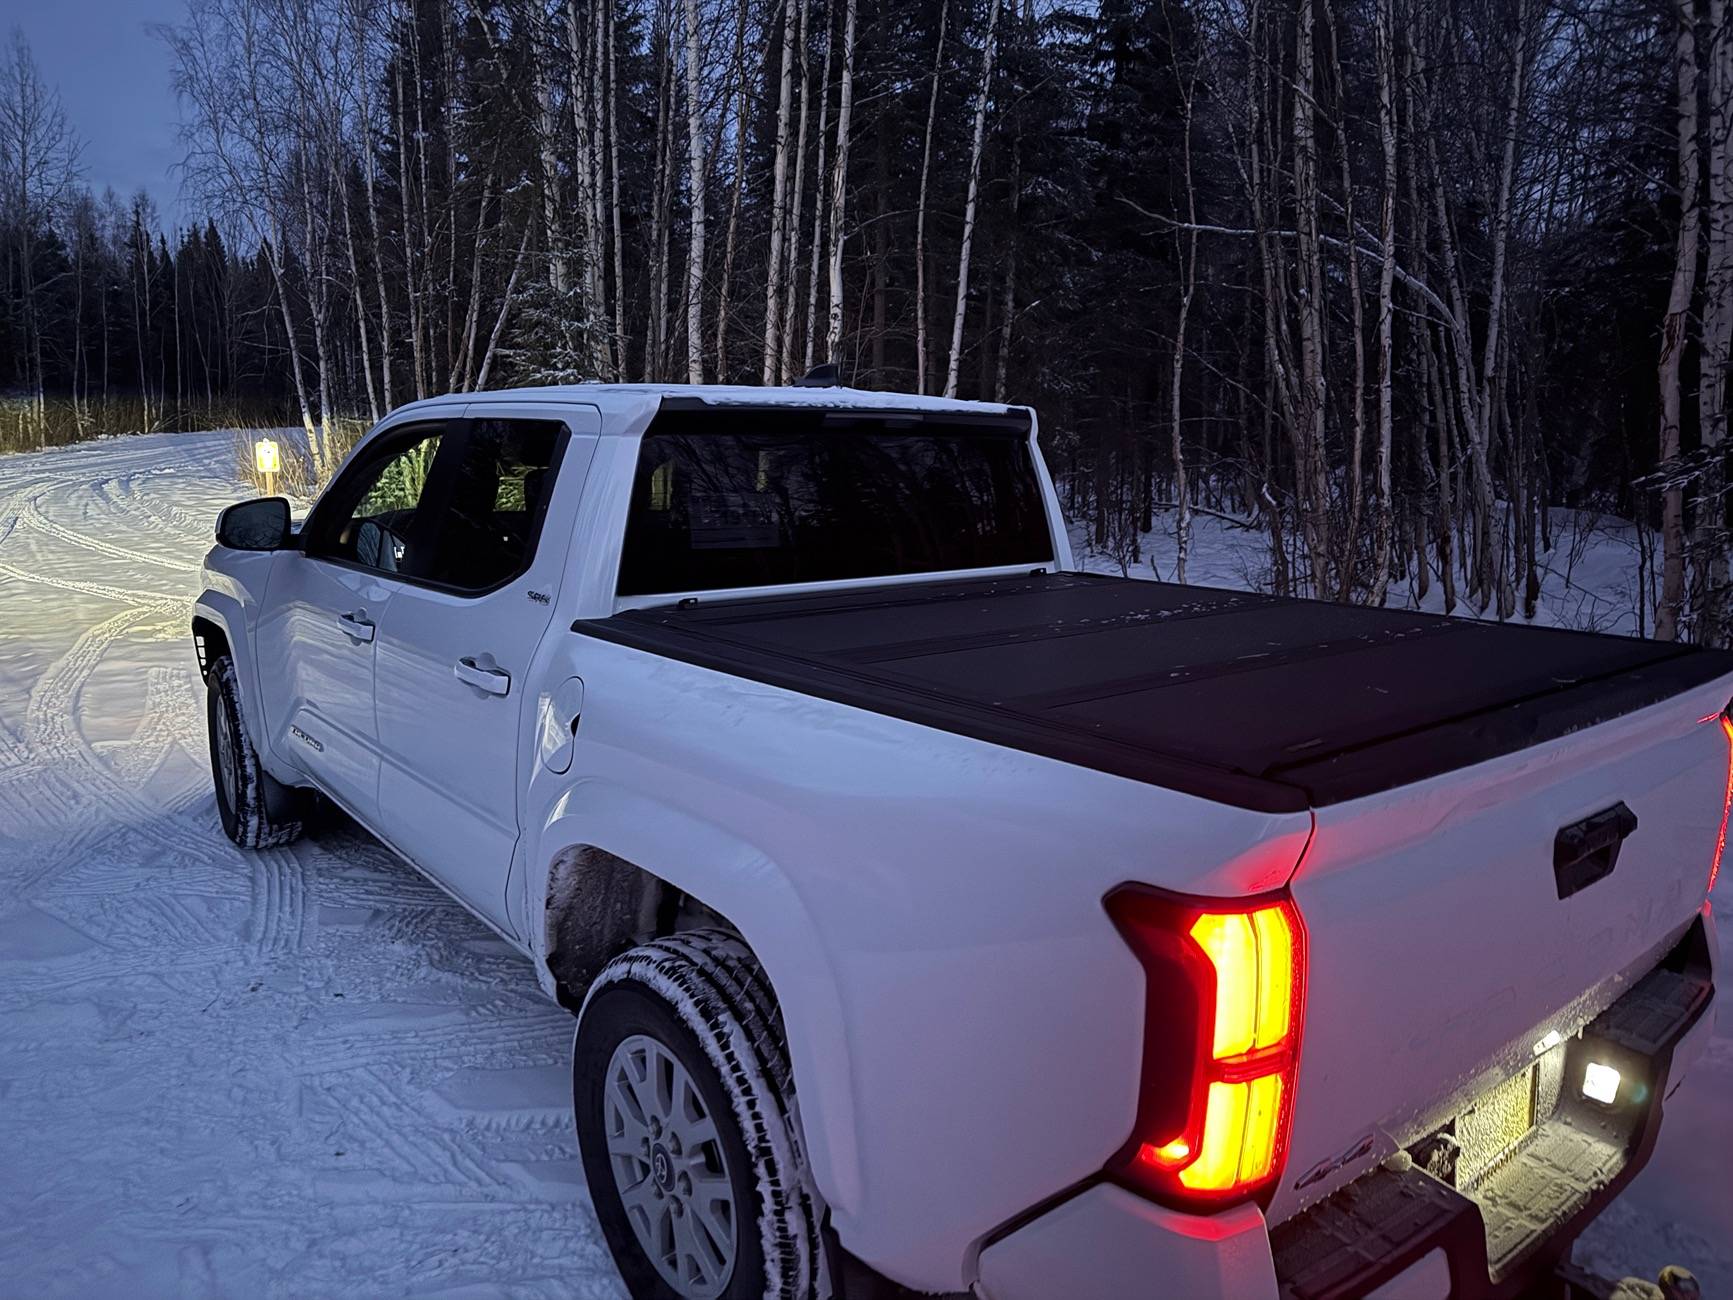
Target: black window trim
x=455, y=434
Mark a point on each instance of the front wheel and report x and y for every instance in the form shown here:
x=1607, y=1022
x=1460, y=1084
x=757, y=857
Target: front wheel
x=684, y=1106
x=245, y=791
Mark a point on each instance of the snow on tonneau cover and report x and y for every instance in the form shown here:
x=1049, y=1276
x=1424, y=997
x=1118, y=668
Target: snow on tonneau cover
x=1442, y=758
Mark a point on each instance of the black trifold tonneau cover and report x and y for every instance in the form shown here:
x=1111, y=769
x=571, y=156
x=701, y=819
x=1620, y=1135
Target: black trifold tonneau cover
x=1258, y=701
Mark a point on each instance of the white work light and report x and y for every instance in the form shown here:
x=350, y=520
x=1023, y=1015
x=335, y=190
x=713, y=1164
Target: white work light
x=1600, y=1083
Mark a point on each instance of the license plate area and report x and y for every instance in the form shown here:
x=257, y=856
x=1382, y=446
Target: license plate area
x=1491, y=1130
x=1532, y=1191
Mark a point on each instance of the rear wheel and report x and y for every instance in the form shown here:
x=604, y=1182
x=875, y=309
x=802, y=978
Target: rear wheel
x=685, y=1118
x=256, y=809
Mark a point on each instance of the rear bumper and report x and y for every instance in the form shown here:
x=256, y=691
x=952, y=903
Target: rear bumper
x=1106, y=1243
x=1397, y=1231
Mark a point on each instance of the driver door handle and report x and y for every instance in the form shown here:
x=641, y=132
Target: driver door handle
x=356, y=625
x=495, y=681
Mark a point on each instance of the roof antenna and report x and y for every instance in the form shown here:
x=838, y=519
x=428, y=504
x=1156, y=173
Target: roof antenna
x=821, y=376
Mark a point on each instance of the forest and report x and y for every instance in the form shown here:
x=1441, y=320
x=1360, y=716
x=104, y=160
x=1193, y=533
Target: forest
x=1388, y=281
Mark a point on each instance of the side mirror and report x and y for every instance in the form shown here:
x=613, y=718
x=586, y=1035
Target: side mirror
x=258, y=525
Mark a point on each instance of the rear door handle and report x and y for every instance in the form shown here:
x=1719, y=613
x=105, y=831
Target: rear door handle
x=356, y=625
x=495, y=681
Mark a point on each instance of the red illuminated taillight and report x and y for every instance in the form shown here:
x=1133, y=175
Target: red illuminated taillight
x=1221, y=1043
x=1726, y=801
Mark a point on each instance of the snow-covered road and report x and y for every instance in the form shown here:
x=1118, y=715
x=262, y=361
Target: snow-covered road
x=297, y=1073
x=306, y=1072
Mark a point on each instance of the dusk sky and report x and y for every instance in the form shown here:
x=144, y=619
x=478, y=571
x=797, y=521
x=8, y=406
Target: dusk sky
x=114, y=81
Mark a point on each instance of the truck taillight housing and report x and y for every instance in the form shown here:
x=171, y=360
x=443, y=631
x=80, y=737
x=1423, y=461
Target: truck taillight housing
x=1226, y=986
x=1725, y=718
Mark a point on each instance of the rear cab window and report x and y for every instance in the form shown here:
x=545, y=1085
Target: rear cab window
x=754, y=498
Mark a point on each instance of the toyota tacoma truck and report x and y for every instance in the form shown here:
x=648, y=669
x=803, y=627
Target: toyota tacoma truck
x=938, y=917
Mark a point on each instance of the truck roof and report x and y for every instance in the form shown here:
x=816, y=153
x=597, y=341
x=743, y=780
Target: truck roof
x=1263, y=702
x=624, y=406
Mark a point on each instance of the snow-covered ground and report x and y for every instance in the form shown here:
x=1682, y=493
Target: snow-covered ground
x=1588, y=578
x=306, y=1072
x=301, y=1073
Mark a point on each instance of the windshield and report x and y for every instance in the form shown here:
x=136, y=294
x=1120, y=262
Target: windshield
x=764, y=498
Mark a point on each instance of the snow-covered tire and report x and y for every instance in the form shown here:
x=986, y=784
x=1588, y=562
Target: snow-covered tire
x=700, y=997
x=244, y=789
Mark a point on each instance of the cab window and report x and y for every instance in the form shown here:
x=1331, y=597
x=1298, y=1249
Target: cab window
x=375, y=512
x=497, y=497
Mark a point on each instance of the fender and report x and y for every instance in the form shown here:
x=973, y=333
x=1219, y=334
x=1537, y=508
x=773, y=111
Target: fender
x=225, y=609
x=739, y=880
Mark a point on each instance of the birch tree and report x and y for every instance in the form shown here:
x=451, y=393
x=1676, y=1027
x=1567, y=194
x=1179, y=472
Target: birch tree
x=1710, y=545
x=1675, y=326
x=695, y=199
x=983, y=88
x=839, y=184
x=921, y=205
x=778, y=201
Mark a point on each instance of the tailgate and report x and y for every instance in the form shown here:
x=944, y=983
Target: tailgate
x=1440, y=950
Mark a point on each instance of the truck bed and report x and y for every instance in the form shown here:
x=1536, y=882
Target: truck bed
x=1257, y=701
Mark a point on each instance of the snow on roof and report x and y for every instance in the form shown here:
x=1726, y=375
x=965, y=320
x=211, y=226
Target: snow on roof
x=629, y=400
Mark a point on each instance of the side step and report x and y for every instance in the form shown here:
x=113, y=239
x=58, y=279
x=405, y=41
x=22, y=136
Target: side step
x=1373, y=1229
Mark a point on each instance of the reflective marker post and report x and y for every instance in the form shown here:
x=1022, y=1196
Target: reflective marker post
x=268, y=462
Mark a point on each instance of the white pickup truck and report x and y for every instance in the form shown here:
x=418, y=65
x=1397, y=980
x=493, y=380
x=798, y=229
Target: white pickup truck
x=940, y=917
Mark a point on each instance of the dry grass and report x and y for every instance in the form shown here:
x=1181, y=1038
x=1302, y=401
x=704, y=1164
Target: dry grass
x=298, y=478
x=61, y=420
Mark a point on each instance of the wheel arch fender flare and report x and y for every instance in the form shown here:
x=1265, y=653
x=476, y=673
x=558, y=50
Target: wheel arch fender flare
x=218, y=611
x=739, y=880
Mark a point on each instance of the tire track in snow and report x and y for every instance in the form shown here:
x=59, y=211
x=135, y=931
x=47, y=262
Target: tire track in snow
x=541, y=1041
x=425, y=1151
x=181, y=993
x=277, y=880
x=166, y=693
x=34, y=517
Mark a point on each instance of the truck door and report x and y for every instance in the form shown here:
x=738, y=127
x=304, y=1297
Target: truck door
x=455, y=648
x=317, y=634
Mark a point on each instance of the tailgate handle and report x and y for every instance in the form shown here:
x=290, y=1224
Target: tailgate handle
x=1585, y=851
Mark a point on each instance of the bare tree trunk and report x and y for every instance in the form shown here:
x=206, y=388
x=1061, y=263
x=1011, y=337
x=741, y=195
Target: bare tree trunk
x=1717, y=359
x=583, y=171
x=274, y=259
x=553, y=205
x=810, y=339
x=505, y=300
x=797, y=198
x=739, y=188
x=1008, y=307
x=839, y=184
x=410, y=276
x=463, y=362
x=1385, y=54
x=695, y=184
x=656, y=324
x=364, y=107
x=1675, y=327
x=982, y=91
x=614, y=174
x=596, y=248
x=778, y=203
x=1315, y=491
x=1357, y=449
x=340, y=196
x=921, y=207
x=1181, y=496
